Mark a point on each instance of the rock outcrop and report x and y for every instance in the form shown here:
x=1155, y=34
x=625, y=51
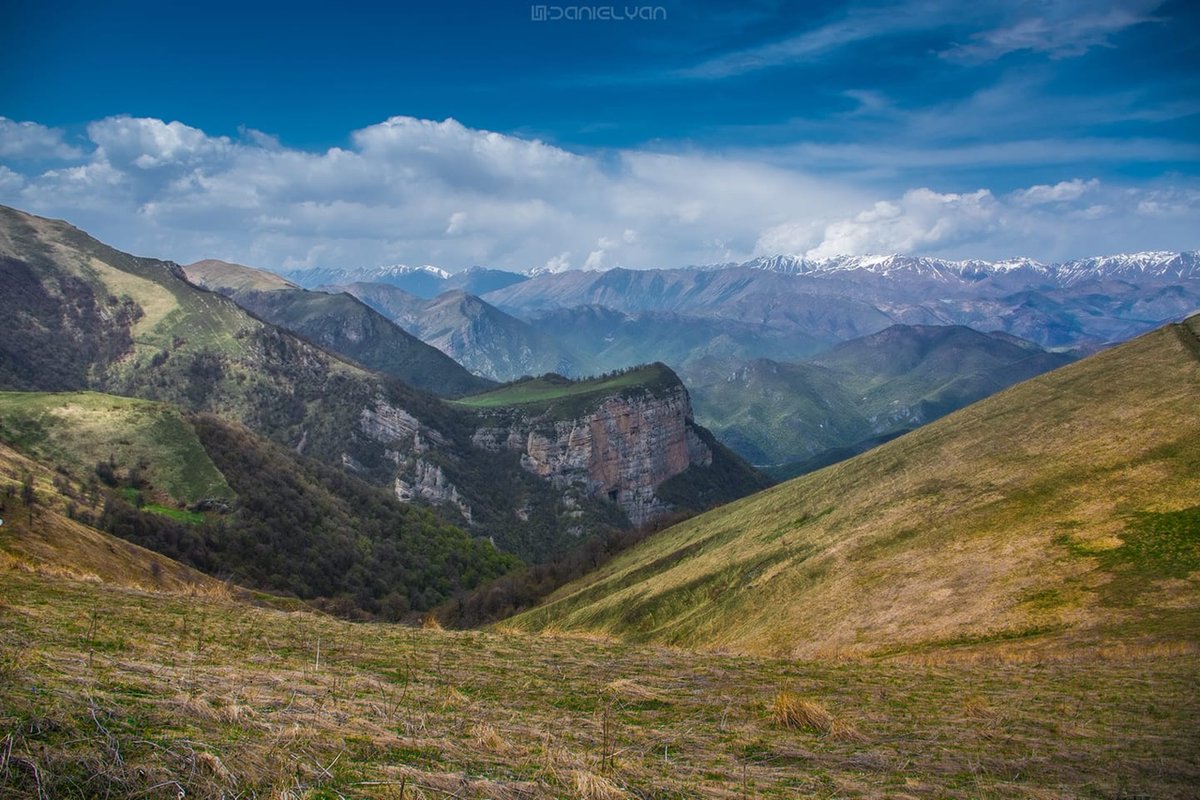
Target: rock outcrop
x=622, y=450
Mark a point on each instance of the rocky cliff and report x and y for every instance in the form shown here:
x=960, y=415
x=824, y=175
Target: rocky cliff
x=623, y=447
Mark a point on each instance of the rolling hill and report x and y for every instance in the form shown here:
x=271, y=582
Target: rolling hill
x=871, y=388
x=1059, y=513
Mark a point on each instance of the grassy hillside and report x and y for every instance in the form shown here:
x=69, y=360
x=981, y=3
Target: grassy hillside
x=270, y=519
x=567, y=398
x=1060, y=512
x=110, y=692
x=42, y=538
x=779, y=413
x=339, y=323
x=214, y=274
x=79, y=430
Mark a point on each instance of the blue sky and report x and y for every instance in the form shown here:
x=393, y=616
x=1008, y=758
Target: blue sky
x=298, y=134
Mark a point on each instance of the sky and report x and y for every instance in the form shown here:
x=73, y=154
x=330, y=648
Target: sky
x=566, y=136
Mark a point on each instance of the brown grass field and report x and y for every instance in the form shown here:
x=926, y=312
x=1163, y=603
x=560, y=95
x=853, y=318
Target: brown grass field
x=110, y=691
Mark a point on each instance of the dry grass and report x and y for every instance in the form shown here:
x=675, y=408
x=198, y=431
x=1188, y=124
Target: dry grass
x=790, y=710
x=486, y=737
x=959, y=537
x=630, y=691
x=126, y=693
x=590, y=786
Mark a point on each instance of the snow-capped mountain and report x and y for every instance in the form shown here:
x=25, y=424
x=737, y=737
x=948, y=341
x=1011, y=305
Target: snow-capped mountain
x=1159, y=264
x=1148, y=265
x=405, y=269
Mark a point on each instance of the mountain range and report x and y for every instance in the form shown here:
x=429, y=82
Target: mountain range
x=476, y=334
x=1000, y=602
x=1084, y=302
x=338, y=322
x=79, y=315
x=1058, y=514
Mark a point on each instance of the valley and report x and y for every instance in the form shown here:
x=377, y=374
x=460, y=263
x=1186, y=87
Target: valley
x=235, y=511
x=722, y=400
x=1058, y=514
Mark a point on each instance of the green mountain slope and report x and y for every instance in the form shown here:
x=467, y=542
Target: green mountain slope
x=1060, y=511
x=340, y=323
x=772, y=412
x=609, y=339
x=222, y=500
x=79, y=430
x=860, y=392
x=79, y=315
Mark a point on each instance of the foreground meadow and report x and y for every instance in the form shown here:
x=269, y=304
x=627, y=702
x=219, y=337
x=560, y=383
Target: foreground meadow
x=120, y=692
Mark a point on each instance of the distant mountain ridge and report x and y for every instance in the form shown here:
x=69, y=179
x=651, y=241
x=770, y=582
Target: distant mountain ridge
x=476, y=334
x=340, y=323
x=1088, y=303
x=425, y=281
x=859, y=392
x=1165, y=264
x=1184, y=265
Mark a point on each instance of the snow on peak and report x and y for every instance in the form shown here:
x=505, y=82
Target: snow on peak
x=1164, y=264
x=404, y=269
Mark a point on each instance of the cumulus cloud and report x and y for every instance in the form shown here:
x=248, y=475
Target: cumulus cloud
x=1059, y=221
x=921, y=221
x=415, y=191
x=29, y=140
x=420, y=191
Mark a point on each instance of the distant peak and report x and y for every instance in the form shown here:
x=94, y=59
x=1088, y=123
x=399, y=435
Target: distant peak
x=1185, y=264
x=405, y=269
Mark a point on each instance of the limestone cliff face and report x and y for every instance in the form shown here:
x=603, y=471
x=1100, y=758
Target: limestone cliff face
x=623, y=449
x=407, y=442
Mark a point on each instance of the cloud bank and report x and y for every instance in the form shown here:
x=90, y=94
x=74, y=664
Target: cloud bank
x=419, y=191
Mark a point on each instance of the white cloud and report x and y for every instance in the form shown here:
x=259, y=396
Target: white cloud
x=457, y=220
x=1050, y=222
x=1065, y=28
x=29, y=140
x=1062, y=192
x=558, y=263
x=418, y=191
x=10, y=182
x=921, y=221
